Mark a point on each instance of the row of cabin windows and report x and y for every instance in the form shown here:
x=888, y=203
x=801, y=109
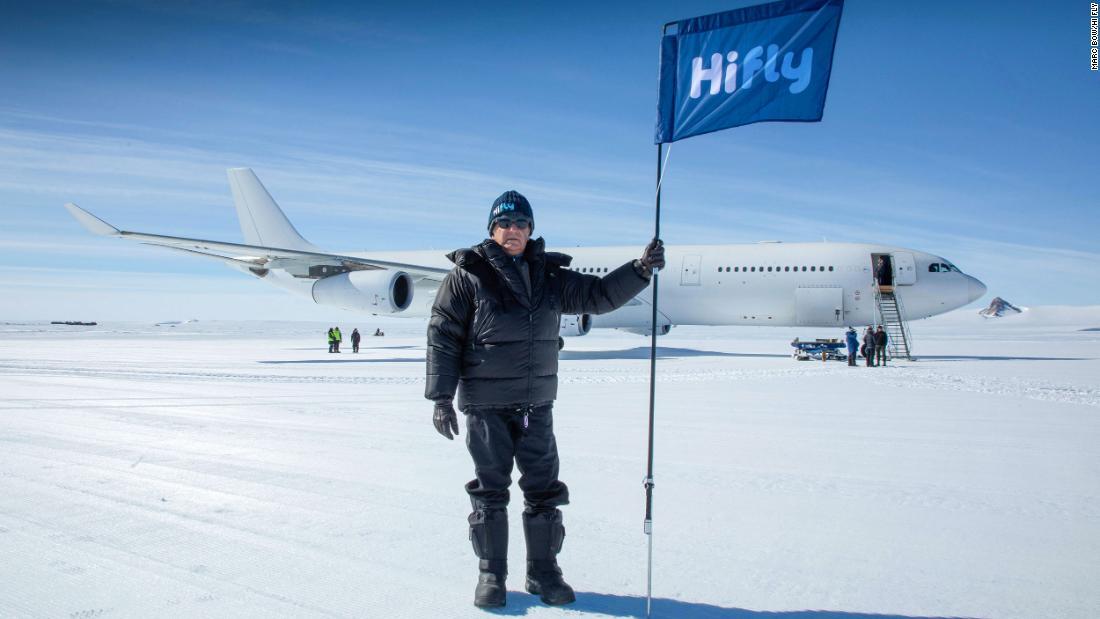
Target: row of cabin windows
x=770, y=269
x=737, y=269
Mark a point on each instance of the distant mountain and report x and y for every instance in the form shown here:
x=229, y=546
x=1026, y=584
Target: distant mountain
x=998, y=308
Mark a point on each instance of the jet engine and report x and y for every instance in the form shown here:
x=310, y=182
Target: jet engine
x=379, y=291
x=575, y=326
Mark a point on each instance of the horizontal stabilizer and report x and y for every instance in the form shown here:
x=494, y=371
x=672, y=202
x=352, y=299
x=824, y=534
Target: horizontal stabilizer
x=93, y=224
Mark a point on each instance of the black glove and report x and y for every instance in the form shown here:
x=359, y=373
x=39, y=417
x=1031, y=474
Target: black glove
x=445, y=419
x=653, y=257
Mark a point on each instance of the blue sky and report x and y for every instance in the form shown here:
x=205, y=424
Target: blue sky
x=964, y=129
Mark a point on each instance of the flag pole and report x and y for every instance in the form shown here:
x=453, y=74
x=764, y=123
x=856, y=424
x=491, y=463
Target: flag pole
x=648, y=527
x=680, y=117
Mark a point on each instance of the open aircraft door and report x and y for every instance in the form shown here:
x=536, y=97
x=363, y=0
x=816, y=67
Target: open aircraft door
x=905, y=268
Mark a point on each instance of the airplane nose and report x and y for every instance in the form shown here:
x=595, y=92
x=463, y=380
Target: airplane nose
x=976, y=288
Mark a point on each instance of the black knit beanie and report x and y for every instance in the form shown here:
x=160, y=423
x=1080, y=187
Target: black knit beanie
x=511, y=204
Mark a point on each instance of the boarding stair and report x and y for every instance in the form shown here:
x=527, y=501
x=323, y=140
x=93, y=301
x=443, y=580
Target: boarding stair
x=899, y=341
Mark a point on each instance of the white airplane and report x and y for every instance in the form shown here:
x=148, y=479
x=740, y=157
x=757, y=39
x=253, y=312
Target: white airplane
x=770, y=283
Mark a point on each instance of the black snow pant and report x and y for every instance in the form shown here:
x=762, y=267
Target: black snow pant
x=880, y=355
x=496, y=439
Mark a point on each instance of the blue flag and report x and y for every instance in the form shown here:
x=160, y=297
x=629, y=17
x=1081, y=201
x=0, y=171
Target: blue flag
x=764, y=62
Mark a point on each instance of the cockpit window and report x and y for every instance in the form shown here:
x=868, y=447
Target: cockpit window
x=934, y=267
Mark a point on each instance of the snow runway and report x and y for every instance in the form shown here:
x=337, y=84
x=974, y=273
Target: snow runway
x=237, y=469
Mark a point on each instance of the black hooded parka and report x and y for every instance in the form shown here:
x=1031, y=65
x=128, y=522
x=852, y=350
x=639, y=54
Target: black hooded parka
x=494, y=342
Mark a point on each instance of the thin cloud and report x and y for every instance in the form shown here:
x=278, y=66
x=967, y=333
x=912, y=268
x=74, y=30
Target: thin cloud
x=415, y=200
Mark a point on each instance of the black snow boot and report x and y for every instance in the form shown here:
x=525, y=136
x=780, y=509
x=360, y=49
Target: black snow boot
x=545, y=535
x=489, y=535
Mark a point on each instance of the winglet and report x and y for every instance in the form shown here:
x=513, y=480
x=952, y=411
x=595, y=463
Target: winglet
x=94, y=224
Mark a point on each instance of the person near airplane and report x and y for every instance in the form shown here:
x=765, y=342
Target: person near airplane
x=852, y=340
x=869, y=346
x=337, y=337
x=883, y=276
x=331, y=339
x=493, y=343
x=880, y=346
x=355, y=337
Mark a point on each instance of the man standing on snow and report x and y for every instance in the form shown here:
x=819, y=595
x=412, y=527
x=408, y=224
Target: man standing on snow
x=493, y=340
x=852, y=340
x=869, y=346
x=880, y=346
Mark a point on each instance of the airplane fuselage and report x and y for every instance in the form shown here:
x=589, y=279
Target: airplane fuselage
x=772, y=284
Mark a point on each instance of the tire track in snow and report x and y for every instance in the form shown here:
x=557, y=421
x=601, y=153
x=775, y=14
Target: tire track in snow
x=1017, y=387
x=163, y=375
x=906, y=376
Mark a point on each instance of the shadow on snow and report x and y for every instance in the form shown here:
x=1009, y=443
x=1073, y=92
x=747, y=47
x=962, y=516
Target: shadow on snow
x=364, y=347
x=642, y=352
x=343, y=360
x=996, y=358
x=634, y=606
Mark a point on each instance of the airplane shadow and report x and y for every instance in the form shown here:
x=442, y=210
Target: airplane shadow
x=520, y=604
x=995, y=358
x=642, y=352
x=318, y=348
x=335, y=361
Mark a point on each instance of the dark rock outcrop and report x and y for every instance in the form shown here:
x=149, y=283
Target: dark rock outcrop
x=998, y=308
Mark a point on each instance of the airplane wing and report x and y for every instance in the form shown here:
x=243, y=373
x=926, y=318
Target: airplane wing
x=257, y=258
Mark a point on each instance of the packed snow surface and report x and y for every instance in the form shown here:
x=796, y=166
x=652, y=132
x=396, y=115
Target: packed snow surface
x=239, y=470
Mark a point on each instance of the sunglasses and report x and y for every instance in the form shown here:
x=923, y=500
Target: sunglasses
x=506, y=223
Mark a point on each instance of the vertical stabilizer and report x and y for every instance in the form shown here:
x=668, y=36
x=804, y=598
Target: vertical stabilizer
x=262, y=221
